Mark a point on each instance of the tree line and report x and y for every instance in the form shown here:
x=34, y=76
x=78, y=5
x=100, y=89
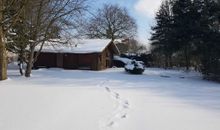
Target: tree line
x=27, y=24
x=187, y=34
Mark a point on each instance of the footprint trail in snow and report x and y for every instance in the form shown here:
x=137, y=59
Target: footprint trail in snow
x=118, y=114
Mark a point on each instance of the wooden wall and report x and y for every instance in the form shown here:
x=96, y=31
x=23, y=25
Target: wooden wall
x=70, y=61
x=105, y=59
x=87, y=61
x=46, y=60
x=80, y=61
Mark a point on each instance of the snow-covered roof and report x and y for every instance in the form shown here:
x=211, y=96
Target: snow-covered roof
x=75, y=46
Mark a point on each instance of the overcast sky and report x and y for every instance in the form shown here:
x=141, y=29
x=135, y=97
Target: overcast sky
x=142, y=10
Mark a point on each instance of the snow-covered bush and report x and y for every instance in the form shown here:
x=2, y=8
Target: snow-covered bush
x=135, y=67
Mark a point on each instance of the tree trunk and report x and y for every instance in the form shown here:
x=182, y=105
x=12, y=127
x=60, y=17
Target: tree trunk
x=170, y=61
x=30, y=63
x=20, y=64
x=3, y=57
x=166, y=62
x=187, y=58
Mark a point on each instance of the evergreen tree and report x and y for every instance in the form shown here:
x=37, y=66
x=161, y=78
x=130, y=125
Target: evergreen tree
x=18, y=39
x=10, y=11
x=184, y=28
x=209, y=48
x=193, y=30
x=162, y=33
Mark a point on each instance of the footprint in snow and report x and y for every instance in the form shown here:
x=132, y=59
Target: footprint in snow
x=111, y=123
x=124, y=116
x=107, y=89
x=125, y=106
x=116, y=95
x=126, y=102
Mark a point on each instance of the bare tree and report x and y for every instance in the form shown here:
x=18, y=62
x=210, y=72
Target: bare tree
x=135, y=46
x=111, y=22
x=131, y=46
x=43, y=16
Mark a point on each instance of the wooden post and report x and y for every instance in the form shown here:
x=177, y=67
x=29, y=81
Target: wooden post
x=3, y=57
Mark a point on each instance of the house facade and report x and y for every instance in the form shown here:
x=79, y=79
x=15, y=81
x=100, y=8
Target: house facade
x=89, y=54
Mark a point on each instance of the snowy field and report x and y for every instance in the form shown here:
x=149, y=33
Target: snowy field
x=58, y=99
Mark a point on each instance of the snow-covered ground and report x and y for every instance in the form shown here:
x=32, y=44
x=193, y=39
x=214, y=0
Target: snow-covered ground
x=159, y=99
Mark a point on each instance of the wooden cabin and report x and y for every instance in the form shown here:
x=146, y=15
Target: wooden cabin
x=89, y=54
